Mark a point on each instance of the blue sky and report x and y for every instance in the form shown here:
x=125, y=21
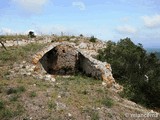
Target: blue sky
x=105, y=19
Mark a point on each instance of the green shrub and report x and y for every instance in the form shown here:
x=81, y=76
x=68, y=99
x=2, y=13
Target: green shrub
x=14, y=98
x=95, y=115
x=85, y=92
x=21, y=89
x=130, y=65
x=11, y=91
x=92, y=39
x=6, y=113
x=31, y=34
x=81, y=35
x=16, y=90
x=52, y=104
x=108, y=102
x=32, y=94
x=1, y=105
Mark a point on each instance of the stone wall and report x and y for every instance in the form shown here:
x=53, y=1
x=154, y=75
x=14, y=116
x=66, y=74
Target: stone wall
x=24, y=42
x=48, y=60
x=86, y=66
x=66, y=58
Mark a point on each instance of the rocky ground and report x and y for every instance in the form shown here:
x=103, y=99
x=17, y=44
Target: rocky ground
x=67, y=98
x=29, y=95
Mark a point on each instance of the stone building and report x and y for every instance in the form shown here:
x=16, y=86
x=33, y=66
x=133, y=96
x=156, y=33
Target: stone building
x=63, y=58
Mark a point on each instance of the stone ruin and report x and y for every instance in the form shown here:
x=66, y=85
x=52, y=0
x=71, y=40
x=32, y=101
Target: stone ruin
x=65, y=58
x=62, y=59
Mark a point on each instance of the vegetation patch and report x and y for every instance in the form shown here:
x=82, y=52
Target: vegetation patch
x=136, y=70
x=79, y=95
x=108, y=102
x=92, y=39
x=32, y=94
x=18, y=53
x=9, y=110
x=51, y=104
x=13, y=37
x=1, y=104
x=91, y=112
x=13, y=90
x=14, y=98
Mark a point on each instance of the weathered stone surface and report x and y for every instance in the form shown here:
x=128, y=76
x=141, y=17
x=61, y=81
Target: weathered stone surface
x=66, y=58
x=60, y=60
x=28, y=69
x=88, y=67
x=83, y=46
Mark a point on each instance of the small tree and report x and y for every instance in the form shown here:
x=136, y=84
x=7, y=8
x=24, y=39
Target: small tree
x=31, y=34
x=81, y=35
x=138, y=71
x=92, y=39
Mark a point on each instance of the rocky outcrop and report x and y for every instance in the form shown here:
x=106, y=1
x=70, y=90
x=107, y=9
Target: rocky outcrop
x=28, y=69
x=23, y=42
x=67, y=58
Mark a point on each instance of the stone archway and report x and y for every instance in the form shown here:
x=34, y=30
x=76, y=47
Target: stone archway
x=64, y=58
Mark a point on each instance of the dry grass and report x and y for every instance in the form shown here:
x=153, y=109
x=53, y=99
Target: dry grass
x=70, y=97
x=19, y=53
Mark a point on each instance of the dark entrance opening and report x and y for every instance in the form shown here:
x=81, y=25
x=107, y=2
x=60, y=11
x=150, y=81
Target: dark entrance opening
x=62, y=60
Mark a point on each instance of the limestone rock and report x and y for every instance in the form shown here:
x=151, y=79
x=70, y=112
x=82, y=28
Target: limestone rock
x=83, y=45
x=60, y=106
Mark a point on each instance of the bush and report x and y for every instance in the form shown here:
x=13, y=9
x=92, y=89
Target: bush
x=1, y=105
x=92, y=39
x=130, y=65
x=14, y=98
x=31, y=34
x=21, y=89
x=32, y=94
x=6, y=113
x=81, y=35
x=51, y=104
x=11, y=91
x=108, y=102
x=16, y=90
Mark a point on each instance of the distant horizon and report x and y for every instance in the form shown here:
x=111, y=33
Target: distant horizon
x=153, y=49
x=106, y=20
x=146, y=47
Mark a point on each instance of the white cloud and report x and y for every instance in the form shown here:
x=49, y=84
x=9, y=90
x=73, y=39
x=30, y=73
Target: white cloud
x=126, y=29
x=152, y=21
x=125, y=19
x=9, y=31
x=79, y=4
x=31, y=5
x=6, y=31
x=55, y=29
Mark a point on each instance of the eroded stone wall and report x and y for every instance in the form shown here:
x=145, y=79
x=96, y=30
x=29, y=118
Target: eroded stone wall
x=87, y=67
x=49, y=60
x=66, y=58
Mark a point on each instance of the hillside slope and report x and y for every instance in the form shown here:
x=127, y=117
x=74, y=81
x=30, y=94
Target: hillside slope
x=72, y=97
